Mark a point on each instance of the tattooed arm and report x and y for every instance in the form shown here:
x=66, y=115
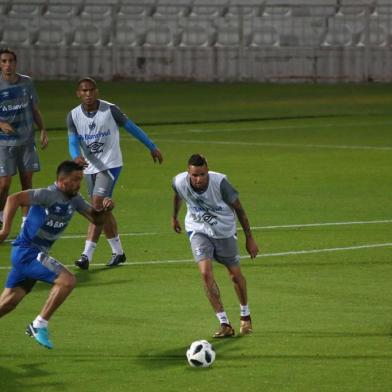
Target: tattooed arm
x=251, y=245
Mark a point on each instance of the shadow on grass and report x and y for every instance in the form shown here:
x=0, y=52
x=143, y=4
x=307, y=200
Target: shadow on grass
x=26, y=376
x=85, y=278
x=157, y=360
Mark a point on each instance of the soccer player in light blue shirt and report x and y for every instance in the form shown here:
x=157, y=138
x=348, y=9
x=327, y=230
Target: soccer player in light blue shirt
x=94, y=142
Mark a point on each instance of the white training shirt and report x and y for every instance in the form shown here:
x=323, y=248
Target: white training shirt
x=207, y=213
x=99, y=138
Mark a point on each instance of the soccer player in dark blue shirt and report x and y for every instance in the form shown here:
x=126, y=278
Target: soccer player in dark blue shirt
x=51, y=209
x=18, y=113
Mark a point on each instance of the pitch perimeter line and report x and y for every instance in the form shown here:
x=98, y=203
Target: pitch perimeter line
x=289, y=253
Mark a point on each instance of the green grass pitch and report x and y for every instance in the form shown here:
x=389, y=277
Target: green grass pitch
x=313, y=167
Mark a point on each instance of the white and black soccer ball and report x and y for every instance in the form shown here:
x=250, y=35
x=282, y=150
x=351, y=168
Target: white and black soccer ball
x=200, y=354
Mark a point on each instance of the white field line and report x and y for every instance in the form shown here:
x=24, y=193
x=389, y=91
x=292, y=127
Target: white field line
x=323, y=224
x=242, y=129
x=372, y=222
x=295, y=145
x=278, y=254
x=264, y=144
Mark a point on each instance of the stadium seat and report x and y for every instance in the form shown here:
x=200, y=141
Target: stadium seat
x=350, y=10
x=25, y=10
x=197, y=32
x=50, y=34
x=15, y=33
x=90, y=35
x=277, y=11
x=338, y=35
x=246, y=9
x=159, y=33
x=376, y=35
x=181, y=8
x=228, y=32
x=214, y=9
x=129, y=32
x=263, y=36
x=96, y=12
x=135, y=10
x=383, y=9
x=62, y=11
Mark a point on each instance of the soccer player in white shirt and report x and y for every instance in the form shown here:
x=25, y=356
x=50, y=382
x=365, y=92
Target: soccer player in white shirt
x=94, y=142
x=212, y=204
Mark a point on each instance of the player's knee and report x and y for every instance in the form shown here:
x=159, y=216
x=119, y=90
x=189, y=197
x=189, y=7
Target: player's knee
x=237, y=278
x=67, y=280
x=71, y=281
x=97, y=204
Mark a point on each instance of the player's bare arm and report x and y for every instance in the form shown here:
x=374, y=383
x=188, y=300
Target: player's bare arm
x=20, y=199
x=176, y=209
x=97, y=217
x=251, y=245
x=40, y=124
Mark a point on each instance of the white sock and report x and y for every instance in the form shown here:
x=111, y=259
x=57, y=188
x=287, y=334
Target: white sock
x=40, y=322
x=115, y=244
x=244, y=310
x=222, y=317
x=89, y=248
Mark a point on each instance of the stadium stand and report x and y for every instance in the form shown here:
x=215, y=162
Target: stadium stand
x=202, y=40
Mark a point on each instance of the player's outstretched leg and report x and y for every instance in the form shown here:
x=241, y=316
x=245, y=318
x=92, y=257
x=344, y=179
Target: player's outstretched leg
x=62, y=287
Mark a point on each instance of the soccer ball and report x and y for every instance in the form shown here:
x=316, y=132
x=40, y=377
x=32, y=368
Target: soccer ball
x=200, y=354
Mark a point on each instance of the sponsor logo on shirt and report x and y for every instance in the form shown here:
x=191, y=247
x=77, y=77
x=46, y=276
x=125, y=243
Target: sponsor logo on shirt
x=94, y=136
x=10, y=107
x=95, y=147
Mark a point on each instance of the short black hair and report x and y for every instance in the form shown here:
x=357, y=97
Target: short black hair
x=67, y=167
x=87, y=79
x=197, y=160
x=8, y=51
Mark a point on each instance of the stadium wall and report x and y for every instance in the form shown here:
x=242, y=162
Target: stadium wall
x=224, y=40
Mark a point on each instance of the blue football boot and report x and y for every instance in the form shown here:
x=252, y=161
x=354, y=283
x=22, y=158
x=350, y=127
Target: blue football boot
x=41, y=335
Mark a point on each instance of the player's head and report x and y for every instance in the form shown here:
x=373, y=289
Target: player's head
x=9, y=52
x=69, y=176
x=7, y=61
x=87, y=91
x=198, y=171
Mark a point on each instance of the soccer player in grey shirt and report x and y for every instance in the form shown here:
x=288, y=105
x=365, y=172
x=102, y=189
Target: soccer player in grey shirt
x=18, y=113
x=51, y=210
x=212, y=204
